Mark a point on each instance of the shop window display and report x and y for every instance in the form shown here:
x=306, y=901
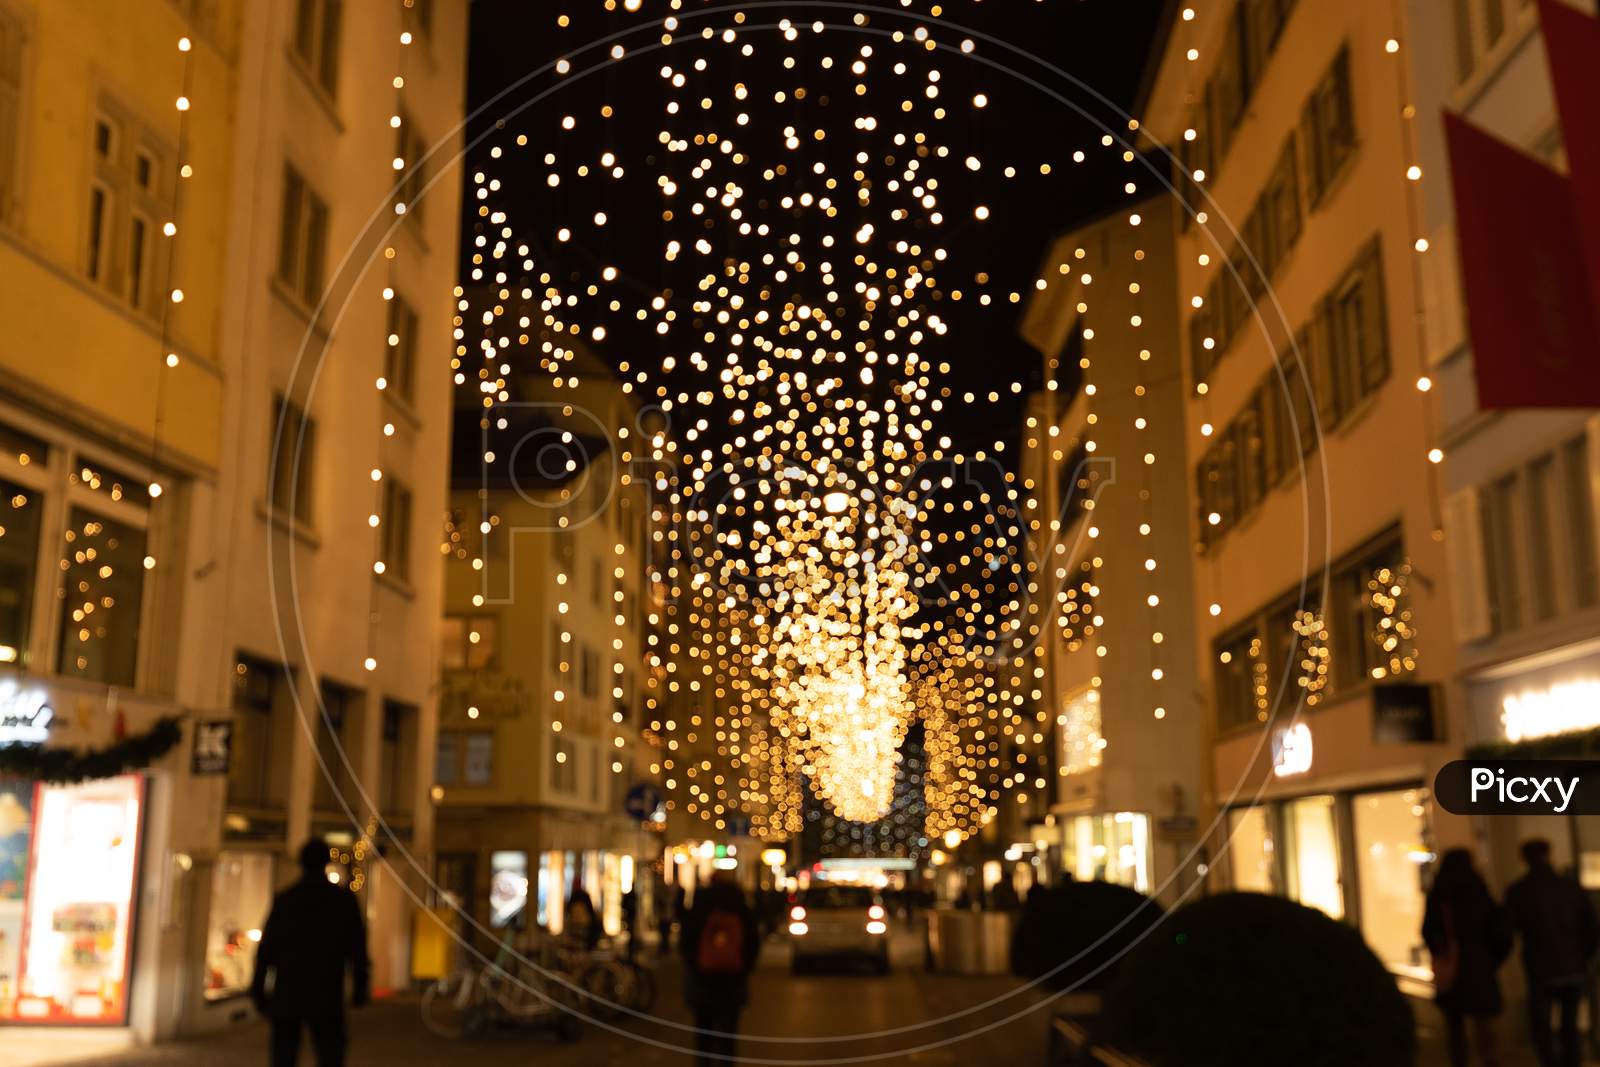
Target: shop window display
x=16, y=834
x=80, y=855
x=1391, y=850
x=241, y=895
x=1313, y=854
x=1251, y=845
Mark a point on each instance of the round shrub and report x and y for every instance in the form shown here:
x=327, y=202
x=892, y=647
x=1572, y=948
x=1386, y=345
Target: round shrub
x=1064, y=922
x=1246, y=980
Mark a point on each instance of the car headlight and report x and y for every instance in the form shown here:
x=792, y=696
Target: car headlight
x=877, y=926
x=875, y=912
x=798, y=928
x=797, y=913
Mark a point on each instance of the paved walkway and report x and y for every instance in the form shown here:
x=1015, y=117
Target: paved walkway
x=945, y=1020
x=849, y=1005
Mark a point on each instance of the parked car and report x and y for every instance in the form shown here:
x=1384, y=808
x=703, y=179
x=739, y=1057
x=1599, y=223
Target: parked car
x=839, y=922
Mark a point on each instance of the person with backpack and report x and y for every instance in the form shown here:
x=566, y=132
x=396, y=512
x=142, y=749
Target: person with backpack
x=1469, y=937
x=719, y=941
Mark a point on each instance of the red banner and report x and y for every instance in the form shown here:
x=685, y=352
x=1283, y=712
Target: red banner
x=1572, y=41
x=1530, y=297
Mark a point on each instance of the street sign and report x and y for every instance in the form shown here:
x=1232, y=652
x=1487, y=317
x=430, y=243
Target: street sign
x=642, y=802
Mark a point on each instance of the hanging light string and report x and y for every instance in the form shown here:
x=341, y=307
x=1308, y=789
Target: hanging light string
x=172, y=294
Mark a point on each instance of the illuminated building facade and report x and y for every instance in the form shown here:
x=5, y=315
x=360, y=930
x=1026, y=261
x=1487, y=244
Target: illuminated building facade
x=1113, y=579
x=179, y=186
x=1519, y=485
x=1324, y=625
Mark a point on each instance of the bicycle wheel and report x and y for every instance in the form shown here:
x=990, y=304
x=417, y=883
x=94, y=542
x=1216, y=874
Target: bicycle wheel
x=601, y=983
x=449, y=1006
x=524, y=997
x=640, y=993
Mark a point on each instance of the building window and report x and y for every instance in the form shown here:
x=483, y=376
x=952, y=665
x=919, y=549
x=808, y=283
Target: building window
x=257, y=738
x=21, y=523
x=316, y=39
x=465, y=757
x=1243, y=692
x=334, y=721
x=102, y=587
x=1501, y=553
x=396, y=530
x=1579, y=496
x=1327, y=128
x=129, y=189
x=1542, y=592
x=399, y=754
x=563, y=767
x=446, y=757
x=1360, y=334
x=400, y=353
x=302, y=238
x=291, y=449
x=468, y=642
x=1357, y=618
x=589, y=673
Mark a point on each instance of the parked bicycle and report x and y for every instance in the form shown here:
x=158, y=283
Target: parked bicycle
x=502, y=992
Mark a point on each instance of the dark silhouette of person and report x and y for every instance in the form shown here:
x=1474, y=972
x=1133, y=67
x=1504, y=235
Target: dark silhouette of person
x=1559, y=935
x=1004, y=896
x=719, y=941
x=1469, y=937
x=663, y=908
x=312, y=937
x=630, y=918
x=582, y=922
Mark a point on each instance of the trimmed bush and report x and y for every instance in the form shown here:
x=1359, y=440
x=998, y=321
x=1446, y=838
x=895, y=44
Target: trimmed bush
x=1060, y=924
x=1246, y=980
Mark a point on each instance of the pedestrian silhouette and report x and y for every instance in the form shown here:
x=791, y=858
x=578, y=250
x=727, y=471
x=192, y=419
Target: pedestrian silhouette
x=719, y=941
x=1559, y=937
x=312, y=936
x=1469, y=937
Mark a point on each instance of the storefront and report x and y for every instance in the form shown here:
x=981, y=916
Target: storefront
x=1107, y=847
x=1357, y=856
x=241, y=895
x=1334, y=811
x=1545, y=706
x=69, y=862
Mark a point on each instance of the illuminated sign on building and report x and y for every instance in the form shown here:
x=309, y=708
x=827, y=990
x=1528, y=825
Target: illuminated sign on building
x=1291, y=750
x=25, y=715
x=1559, y=709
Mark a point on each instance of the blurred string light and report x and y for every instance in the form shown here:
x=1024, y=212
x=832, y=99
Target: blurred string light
x=831, y=568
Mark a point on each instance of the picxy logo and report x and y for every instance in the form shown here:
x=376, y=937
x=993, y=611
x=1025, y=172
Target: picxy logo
x=1523, y=789
x=1519, y=787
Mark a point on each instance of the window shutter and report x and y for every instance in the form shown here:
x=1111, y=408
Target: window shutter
x=1311, y=153
x=1374, y=368
x=1469, y=576
x=1322, y=366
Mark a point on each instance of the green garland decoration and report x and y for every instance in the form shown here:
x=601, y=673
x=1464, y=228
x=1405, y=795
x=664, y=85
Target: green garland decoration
x=68, y=765
x=1580, y=744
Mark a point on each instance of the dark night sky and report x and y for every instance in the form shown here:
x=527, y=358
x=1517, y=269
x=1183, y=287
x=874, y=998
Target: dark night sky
x=1101, y=42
